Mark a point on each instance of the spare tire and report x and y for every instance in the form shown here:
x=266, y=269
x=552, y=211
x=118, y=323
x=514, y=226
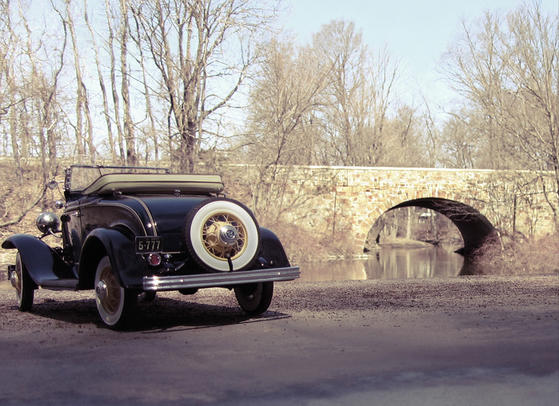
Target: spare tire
x=222, y=233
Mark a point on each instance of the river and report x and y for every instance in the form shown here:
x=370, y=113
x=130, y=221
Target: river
x=387, y=263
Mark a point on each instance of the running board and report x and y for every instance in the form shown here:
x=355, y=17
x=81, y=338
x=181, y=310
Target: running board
x=211, y=280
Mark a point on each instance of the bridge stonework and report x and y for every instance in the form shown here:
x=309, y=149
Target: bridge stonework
x=349, y=200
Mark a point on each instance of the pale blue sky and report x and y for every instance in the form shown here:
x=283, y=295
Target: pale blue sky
x=416, y=32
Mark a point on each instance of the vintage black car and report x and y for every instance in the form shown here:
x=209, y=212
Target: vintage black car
x=127, y=231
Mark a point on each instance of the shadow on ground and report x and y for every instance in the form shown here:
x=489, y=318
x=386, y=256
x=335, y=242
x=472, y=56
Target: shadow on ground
x=162, y=314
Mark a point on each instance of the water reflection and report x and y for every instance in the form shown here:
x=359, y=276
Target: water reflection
x=388, y=263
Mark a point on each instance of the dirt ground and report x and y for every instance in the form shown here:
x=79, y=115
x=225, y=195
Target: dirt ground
x=459, y=341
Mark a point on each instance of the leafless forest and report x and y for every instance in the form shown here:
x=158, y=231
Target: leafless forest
x=199, y=84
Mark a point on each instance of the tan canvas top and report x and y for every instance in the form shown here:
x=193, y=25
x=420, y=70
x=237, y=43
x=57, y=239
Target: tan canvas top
x=155, y=183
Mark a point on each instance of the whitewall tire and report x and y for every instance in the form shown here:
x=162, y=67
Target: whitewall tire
x=24, y=285
x=222, y=233
x=114, y=303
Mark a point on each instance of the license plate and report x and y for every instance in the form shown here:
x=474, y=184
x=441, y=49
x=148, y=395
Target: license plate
x=148, y=244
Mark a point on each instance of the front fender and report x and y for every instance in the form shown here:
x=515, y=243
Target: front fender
x=36, y=256
x=128, y=266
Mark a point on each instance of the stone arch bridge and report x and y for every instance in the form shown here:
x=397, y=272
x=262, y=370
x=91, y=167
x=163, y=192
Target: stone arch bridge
x=348, y=200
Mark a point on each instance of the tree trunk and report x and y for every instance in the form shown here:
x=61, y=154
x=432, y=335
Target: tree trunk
x=80, y=97
x=14, y=137
x=152, y=134
x=116, y=101
x=409, y=215
x=106, y=112
x=125, y=85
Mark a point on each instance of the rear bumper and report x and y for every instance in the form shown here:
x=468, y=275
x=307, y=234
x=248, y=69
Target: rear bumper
x=155, y=283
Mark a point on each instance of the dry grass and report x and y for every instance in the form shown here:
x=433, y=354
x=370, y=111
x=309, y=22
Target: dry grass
x=531, y=257
x=302, y=245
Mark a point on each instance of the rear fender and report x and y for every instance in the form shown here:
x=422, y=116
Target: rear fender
x=37, y=257
x=128, y=266
x=272, y=254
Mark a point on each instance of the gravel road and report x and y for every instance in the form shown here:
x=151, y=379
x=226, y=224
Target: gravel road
x=459, y=341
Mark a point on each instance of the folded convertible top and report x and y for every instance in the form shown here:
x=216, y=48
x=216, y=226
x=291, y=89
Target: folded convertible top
x=154, y=183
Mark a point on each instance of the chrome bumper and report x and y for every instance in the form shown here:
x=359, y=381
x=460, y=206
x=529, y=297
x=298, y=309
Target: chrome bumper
x=211, y=280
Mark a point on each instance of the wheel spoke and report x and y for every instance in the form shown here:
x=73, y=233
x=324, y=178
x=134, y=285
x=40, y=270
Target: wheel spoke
x=215, y=245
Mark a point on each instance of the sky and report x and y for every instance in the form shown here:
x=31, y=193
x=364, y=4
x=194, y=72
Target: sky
x=416, y=33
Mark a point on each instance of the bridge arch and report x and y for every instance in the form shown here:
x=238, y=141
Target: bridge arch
x=474, y=227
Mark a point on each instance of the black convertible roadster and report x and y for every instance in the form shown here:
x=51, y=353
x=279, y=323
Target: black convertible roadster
x=128, y=231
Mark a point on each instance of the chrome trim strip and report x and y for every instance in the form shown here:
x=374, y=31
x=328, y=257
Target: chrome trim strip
x=220, y=279
x=148, y=212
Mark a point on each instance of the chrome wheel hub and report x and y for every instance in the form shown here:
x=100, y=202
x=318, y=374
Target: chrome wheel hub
x=228, y=235
x=14, y=279
x=101, y=290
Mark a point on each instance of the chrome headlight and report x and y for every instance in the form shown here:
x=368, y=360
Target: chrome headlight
x=47, y=223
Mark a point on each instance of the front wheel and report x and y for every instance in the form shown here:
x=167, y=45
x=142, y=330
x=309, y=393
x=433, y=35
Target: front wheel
x=115, y=304
x=255, y=298
x=23, y=284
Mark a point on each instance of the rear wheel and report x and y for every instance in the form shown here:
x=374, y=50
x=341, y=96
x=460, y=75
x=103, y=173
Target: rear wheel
x=188, y=291
x=115, y=304
x=147, y=296
x=255, y=298
x=23, y=284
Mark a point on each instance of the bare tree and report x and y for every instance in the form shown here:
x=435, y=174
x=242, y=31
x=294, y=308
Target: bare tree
x=282, y=100
x=186, y=41
x=431, y=134
x=83, y=138
x=403, y=140
x=30, y=73
x=461, y=144
x=534, y=119
x=41, y=94
x=106, y=111
x=279, y=123
x=356, y=102
x=114, y=88
x=125, y=86
x=9, y=92
x=508, y=72
x=152, y=134
x=478, y=70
